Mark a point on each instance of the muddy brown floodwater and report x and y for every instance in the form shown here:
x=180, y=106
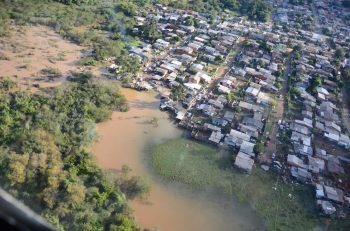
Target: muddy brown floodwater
x=170, y=206
x=124, y=139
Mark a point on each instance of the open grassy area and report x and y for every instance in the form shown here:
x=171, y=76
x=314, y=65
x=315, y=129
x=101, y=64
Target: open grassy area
x=269, y=125
x=283, y=206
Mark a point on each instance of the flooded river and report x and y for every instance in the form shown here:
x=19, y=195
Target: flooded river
x=170, y=206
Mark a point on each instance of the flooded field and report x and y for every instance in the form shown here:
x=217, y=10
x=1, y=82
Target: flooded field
x=31, y=50
x=170, y=206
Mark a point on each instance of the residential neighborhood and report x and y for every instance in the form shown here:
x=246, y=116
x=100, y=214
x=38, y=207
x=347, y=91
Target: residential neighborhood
x=270, y=92
x=175, y=115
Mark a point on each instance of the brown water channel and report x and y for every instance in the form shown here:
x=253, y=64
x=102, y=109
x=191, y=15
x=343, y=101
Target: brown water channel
x=170, y=206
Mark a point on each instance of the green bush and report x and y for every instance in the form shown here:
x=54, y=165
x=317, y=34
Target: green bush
x=88, y=61
x=44, y=160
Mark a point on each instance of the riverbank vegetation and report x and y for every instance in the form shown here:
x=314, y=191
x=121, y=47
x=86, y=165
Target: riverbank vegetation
x=284, y=206
x=133, y=186
x=44, y=154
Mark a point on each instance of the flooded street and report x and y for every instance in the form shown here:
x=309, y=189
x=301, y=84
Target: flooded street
x=170, y=206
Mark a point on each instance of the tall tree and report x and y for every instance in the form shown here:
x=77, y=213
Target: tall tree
x=150, y=30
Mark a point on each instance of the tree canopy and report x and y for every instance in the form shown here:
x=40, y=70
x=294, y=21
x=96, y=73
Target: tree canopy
x=78, y=2
x=178, y=93
x=339, y=54
x=315, y=82
x=150, y=31
x=256, y=10
x=44, y=157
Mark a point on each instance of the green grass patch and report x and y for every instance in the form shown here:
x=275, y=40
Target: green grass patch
x=88, y=61
x=268, y=128
x=134, y=41
x=283, y=206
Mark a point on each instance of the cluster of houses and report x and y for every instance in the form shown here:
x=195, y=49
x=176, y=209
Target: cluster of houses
x=223, y=109
x=296, y=14
x=332, y=17
x=227, y=73
x=229, y=109
x=184, y=53
x=173, y=26
x=320, y=144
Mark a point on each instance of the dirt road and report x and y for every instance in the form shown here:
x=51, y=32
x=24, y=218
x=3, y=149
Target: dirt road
x=275, y=115
x=346, y=109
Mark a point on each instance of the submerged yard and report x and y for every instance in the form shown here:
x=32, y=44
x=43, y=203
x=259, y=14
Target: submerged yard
x=284, y=206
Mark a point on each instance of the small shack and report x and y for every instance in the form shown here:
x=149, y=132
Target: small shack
x=244, y=162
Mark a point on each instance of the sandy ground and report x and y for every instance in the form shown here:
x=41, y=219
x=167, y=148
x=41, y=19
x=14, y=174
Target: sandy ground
x=28, y=50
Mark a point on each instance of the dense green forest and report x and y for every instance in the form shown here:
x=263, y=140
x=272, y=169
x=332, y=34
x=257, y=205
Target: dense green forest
x=45, y=159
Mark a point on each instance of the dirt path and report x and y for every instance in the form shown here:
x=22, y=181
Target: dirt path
x=346, y=109
x=276, y=114
x=223, y=70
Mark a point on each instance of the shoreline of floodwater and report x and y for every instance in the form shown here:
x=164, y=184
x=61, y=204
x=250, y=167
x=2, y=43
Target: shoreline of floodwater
x=283, y=205
x=171, y=206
